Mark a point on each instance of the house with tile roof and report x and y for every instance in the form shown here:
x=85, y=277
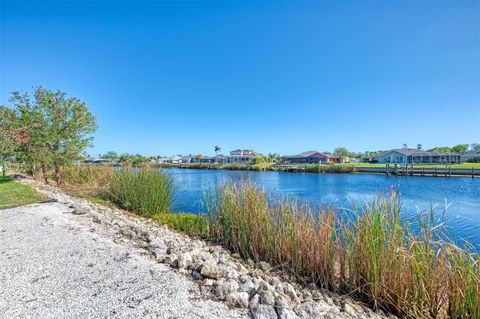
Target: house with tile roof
x=310, y=157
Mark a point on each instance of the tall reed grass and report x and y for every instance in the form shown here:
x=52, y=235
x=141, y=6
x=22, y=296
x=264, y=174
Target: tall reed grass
x=144, y=191
x=373, y=256
x=86, y=179
x=333, y=168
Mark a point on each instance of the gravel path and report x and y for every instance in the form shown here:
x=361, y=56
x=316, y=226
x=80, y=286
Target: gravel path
x=53, y=264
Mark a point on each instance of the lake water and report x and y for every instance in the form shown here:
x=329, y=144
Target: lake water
x=343, y=191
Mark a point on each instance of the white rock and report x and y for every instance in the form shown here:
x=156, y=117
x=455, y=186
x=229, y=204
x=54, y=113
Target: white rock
x=263, y=312
x=210, y=270
x=354, y=311
x=283, y=309
x=316, y=310
x=228, y=272
x=249, y=287
x=184, y=260
x=208, y=282
x=225, y=287
x=290, y=291
x=267, y=297
x=238, y=299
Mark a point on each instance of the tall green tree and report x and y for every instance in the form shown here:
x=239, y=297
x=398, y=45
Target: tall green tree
x=59, y=128
x=341, y=152
x=69, y=125
x=111, y=155
x=8, y=136
x=441, y=149
x=460, y=148
x=33, y=150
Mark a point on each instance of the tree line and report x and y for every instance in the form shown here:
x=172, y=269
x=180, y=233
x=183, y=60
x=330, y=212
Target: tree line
x=44, y=130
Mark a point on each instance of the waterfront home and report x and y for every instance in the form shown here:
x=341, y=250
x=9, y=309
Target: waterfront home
x=471, y=156
x=208, y=159
x=238, y=156
x=161, y=160
x=311, y=157
x=175, y=159
x=97, y=161
x=416, y=156
x=187, y=159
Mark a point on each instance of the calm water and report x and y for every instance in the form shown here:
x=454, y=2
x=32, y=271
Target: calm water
x=342, y=191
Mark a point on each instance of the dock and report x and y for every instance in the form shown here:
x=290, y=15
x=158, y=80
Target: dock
x=407, y=170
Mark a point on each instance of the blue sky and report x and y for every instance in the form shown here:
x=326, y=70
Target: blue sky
x=181, y=77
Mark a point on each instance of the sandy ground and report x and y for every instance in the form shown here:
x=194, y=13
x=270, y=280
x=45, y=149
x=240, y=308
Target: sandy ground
x=53, y=265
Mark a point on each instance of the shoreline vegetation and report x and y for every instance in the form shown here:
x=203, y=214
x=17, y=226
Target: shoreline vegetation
x=340, y=167
x=374, y=256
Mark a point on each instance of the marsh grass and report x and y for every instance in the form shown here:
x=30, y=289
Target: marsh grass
x=86, y=179
x=144, y=191
x=334, y=168
x=375, y=256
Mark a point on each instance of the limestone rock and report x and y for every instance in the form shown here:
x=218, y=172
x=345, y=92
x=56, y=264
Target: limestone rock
x=184, y=260
x=238, y=299
x=316, y=310
x=210, y=270
x=283, y=309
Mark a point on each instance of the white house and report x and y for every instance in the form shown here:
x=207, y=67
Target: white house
x=175, y=159
x=238, y=157
x=471, y=156
x=415, y=156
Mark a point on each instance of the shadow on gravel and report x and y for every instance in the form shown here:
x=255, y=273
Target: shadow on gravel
x=50, y=200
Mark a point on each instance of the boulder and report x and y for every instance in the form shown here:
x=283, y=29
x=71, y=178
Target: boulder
x=316, y=310
x=210, y=270
x=184, y=260
x=283, y=309
x=238, y=299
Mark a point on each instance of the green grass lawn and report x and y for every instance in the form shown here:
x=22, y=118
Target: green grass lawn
x=14, y=194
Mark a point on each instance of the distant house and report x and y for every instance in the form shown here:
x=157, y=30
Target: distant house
x=311, y=157
x=175, y=159
x=471, y=156
x=238, y=156
x=187, y=159
x=415, y=156
x=161, y=160
x=207, y=159
x=97, y=161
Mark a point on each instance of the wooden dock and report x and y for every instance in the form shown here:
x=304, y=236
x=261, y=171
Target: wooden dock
x=396, y=170
x=407, y=170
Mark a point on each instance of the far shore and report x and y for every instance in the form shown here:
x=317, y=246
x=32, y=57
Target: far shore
x=454, y=170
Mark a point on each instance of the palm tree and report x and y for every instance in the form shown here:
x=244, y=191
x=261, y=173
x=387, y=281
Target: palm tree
x=217, y=149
